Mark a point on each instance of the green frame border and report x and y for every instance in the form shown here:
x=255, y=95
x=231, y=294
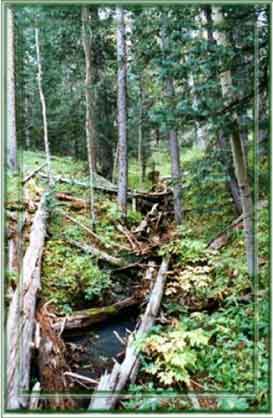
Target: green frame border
x=4, y=5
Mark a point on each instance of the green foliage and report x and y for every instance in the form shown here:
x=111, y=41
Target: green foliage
x=71, y=277
x=172, y=354
x=186, y=248
x=233, y=404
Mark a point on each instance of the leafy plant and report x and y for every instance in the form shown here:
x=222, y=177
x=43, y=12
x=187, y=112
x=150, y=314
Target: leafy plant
x=170, y=356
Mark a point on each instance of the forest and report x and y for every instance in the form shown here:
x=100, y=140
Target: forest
x=137, y=228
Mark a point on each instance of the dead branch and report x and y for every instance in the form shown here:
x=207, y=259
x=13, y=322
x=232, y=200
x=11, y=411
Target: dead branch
x=95, y=252
x=33, y=173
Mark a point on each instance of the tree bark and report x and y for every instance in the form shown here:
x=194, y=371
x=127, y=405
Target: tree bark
x=173, y=140
x=43, y=103
x=122, y=112
x=52, y=364
x=90, y=123
x=200, y=130
x=20, y=322
x=121, y=373
x=238, y=152
x=141, y=162
x=232, y=184
x=11, y=115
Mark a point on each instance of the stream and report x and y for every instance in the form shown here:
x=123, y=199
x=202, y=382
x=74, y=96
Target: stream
x=91, y=351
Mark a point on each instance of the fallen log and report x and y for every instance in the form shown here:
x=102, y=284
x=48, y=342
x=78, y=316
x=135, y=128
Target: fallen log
x=111, y=188
x=75, y=202
x=20, y=321
x=222, y=237
x=33, y=173
x=52, y=364
x=95, y=252
x=121, y=373
x=87, y=317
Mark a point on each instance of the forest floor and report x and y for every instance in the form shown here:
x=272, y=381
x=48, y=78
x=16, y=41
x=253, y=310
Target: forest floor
x=211, y=336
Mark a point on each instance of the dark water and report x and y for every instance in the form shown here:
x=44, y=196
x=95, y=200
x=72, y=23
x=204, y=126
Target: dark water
x=92, y=350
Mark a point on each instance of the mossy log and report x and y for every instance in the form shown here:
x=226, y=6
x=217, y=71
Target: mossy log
x=87, y=317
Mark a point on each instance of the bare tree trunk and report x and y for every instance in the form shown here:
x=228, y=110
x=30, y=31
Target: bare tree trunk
x=140, y=135
x=122, y=112
x=232, y=184
x=116, y=158
x=90, y=108
x=43, y=103
x=173, y=141
x=239, y=158
x=11, y=125
x=200, y=130
x=27, y=110
x=20, y=322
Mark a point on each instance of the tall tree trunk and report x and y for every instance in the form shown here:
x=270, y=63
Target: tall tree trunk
x=122, y=112
x=43, y=103
x=27, y=119
x=11, y=125
x=173, y=141
x=140, y=135
x=200, y=130
x=232, y=183
x=239, y=158
x=90, y=107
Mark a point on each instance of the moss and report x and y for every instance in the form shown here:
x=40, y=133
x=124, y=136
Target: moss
x=70, y=278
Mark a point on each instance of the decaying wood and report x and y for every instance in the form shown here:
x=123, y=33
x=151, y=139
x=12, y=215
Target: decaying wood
x=151, y=217
x=20, y=322
x=95, y=252
x=154, y=197
x=35, y=396
x=33, y=173
x=87, y=317
x=75, y=202
x=52, y=364
x=121, y=373
x=12, y=263
x=135, y=245
x=81, y=377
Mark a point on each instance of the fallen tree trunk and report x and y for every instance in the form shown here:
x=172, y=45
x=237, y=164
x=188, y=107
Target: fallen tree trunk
x=111, y=188
x=121, y=373
x=87, y=317
x=222, y=237
x=20, y=322
x=33, y=173
x=95, y=252
x=76, y=202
